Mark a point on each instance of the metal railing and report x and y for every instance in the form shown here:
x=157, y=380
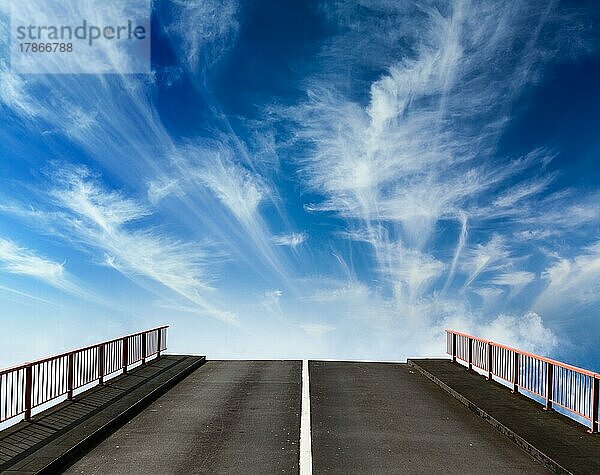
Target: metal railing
x=576, y=390
x=27, y=386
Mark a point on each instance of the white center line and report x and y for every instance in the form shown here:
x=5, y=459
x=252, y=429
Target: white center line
x=305, y=439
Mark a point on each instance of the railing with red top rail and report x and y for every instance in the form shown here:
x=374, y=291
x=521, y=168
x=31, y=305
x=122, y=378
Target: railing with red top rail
x=27, y=386
x=576, y=390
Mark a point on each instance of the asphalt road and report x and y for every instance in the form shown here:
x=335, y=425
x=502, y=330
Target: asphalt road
x=386, y=418
x=226, y=417
x=367, y=418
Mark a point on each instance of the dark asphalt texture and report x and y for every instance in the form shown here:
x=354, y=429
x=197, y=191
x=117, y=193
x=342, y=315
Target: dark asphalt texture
x=557, y=437
x=56, y=436
x=375, y=418
x=226, y=417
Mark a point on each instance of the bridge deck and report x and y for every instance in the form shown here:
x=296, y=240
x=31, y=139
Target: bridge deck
x=388, y=418
x=547, y=434
x=244, y=417
x=57, y=435
x=227, y=417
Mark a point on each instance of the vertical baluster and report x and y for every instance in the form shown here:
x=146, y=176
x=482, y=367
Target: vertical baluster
x=28, y=390
x=470, y=354
x=594, y=402
x=101, y=364
x=569, y=389
x=454, y=349
x=144, y=349
x=515, y=388
x=489, y=360
x=125, y=354
x=549, y=385
x=70, y=372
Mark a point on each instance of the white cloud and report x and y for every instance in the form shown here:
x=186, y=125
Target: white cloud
x=417, y=154
x=572, y=284
x=238, y=189
x=159, y=189
x=536, y=234
x=513, y=279
x=488, y=292
x=13, y=93
x=460, y=245
x=205, y=29
x=483, y=257
x=101, y=219
x=418, y=158
x=108, y=210
x=521, y=192
x=15, y=259
x=526, y=333
x=26, y=295
x=348, y=292
x=413, y=272
x=405, y=161
x=219, y=175
x=18, y=260
x=291, y=240
x=271, y=300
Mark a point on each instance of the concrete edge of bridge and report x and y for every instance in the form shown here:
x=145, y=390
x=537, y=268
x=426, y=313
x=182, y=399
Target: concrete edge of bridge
x=543, y=458
x=81, y=447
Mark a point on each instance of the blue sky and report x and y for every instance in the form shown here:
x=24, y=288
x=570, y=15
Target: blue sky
x=312, y=179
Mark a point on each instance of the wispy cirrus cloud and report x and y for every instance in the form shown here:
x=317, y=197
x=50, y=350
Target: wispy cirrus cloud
x=389, y=151
x=513, y=279
x=239, y=190
x=101, y=218
x=486, y=256
x=291, y=240
x=203, y=30
x=14, y=96
x=108, y=223
x=410, y=157
x=28, y=296
x=571, y=284
x=19, y=260
x=116, y=124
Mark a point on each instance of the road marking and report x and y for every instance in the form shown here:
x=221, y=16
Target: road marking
x=305, y=438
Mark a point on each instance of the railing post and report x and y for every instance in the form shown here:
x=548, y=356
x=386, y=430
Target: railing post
x=489, y=361
x=125, y=354
x=549, y=386
x=28, y=391
x=454, y=347
x=515, y=388
x=144, y=338
x=101, y=364
x=159, y=342
x=595, y=396
x=470, y=353
x=70, y=360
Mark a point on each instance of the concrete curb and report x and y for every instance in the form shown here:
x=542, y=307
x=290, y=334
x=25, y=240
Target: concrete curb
x=540, y=456
x=86, y=444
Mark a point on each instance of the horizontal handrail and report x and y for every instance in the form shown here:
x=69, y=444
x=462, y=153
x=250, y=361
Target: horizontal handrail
x=532, y=355
x=38, y=382
x=574, y=389
x=48, y=358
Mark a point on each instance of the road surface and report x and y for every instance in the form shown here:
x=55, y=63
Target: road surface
x=366, y=418
x=387, y=418
x=226, y=417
